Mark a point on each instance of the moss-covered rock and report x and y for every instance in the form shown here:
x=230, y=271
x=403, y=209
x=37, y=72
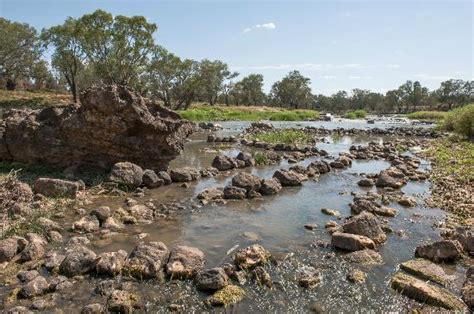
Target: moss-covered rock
x=228, y=295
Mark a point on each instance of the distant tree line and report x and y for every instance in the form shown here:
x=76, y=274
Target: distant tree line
x=101, y=48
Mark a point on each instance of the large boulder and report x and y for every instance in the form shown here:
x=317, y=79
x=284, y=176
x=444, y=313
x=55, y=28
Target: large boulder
x=184, y=174
x=147, y=260
x=270, y=187
x=440, y=251
x=112, y=124
x=288, y=178
x=351, y=242
x=57, y=187
x=223, y=163
x=79, y=262
x=367, y=225
x=247, y=181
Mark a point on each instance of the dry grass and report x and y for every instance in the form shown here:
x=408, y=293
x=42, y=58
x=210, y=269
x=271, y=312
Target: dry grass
x=33, y=100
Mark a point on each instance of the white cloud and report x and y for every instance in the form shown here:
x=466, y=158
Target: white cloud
x=265, y=26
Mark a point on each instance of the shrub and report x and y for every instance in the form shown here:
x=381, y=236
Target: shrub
x=427, y=115
x=460, y=121
x=356, y=114
x=284, y=136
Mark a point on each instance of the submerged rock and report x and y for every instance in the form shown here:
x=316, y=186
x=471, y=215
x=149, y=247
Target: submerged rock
x=228, y=295
x=356, y=276
x=425, y=293
x=330, y=212
x=250, y=257
x=351, y=242
x=425, y=269
x=121, y=301
x=112, y=124
x=440, y=251
x=364, y=257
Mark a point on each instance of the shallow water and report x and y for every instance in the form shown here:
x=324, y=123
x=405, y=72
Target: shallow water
x=277, y=223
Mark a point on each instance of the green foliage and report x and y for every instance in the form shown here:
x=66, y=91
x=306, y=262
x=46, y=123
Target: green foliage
x=454, y=157
x=356, y=114
x=260, y=158
x=460, y=121
x=249, y=91
x=284, y=136
x=219, y=113
x=427, y=115
x=292, y=91
x=212, y=78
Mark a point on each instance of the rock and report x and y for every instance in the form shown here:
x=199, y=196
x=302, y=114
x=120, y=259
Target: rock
x=407, y=201
x=79, y=262
x=440, y=251
x=465, y=236
x=211, y=194
x=234, y=193
x=102, y=213
x=86, y=224
x=364, y=257
x=223, y=163
x=365, y=224
x=467, y=290
x=126, y=173
x=36, y=287
x=288, y=178
x=147, y=260
x=93, y=308
x=212, y=279
x=365, y=183
x=251, y=257
x=270, y=187
x=426, y=270
x=251, y=236
x=385, y=211
x=184, y=174
x=356, y=276
x=262, y=277
x=141, y=212
x=321, y=166
x=151, y=180
x=26, y=276
x=8, y=249
x=163, y=175
x=48, y=224
x=351, y=242
x=247, y=181
x=111, y=124
x=309, y=278
x=54, y=236
x=34, y=250
x=110, y=263
x=57, y=187
x=59, y=283
x=426, y=293
x=228, y=295
x=120, y=301
x=316, y=307
x=386, y=178
x=19, y=310
x=360, y=205
x=330, y=212
x=311, y=226
x=52, y=260
x=247, y=158
x=43, y=304
x=184, y=262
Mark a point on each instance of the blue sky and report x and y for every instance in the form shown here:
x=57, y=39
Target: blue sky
x=338, y=44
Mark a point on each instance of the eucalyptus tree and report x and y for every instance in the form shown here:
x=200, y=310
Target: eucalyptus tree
x=20, y=49
x=251, y=90
x=292, y=91
x=213, y=77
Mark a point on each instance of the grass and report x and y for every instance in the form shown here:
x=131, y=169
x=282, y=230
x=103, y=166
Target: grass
x=427, y=115
x=460, y=121
x=33, y=100
x=238, y=113
x=29, y=173
x=454, y=157
x=285, y=136
x=356, y=114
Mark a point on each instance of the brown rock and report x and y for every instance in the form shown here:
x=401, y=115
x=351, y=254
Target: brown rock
x=365, y=224
x=57, y=187
x=185, y=262
x=440, y=251
x=351, y=242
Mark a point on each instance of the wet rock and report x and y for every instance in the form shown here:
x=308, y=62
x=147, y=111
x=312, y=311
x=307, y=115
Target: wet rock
x=27, y=275
x=407, y=201
x=34, y=250
x=151, y=180
x=141, y=212
x=234, y=193
x=8, y=249
x=364, y=257
x=440, y=251
x=270, y=187
x=45, y=303
x=365, y=224
x=251, y=236
x=78, y=241
x=102, y=213
x=93, y=308
x=351, y=242
x=467, y=290
x=120, y=301
x=79, y=262
x=52, y=260
x=388, y=178
x=19, y=310
x=262, y=277
x=246, y=158
x=424, y=292
x=48, y=224
x=309, y=278
x=366, y=183
x=311, y=226
x=147, y=260
x=330, y=212
x=110, y=263
x=86, y=224
x=288, y=178
x=57, y=187
x=251, y=257
x=211, y=194
x=184, y=174
x=247, y=181
x=163, y=175
x=212, y=279
x=465, y=236
x=223, y=163
x=184, y=262
x=356, y=276
x=424, y=269
x=228, y=295
x=126, y=173
x=36, y=287
x=59, y=283
x=360, y=205
x=385, y=211
x=321, y=166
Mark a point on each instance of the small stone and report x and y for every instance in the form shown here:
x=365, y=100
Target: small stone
x=356, y=276
x=212, y=279
x=330, y=212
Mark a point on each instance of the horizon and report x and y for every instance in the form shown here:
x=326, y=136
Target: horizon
x=339, y=46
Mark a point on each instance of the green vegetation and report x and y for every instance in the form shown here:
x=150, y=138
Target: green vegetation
x=454, y=157
x=460, y=121
x=219, y=113
x=260, y=158
x=285, y=136
x=427, y=115
x=356, y=114
x=29, y=173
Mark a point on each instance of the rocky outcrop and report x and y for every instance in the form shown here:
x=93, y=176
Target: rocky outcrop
x=365, y=224
x=440, y=251
x=112, y=124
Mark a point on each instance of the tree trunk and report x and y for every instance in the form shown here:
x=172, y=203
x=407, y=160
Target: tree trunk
x=11, y=84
